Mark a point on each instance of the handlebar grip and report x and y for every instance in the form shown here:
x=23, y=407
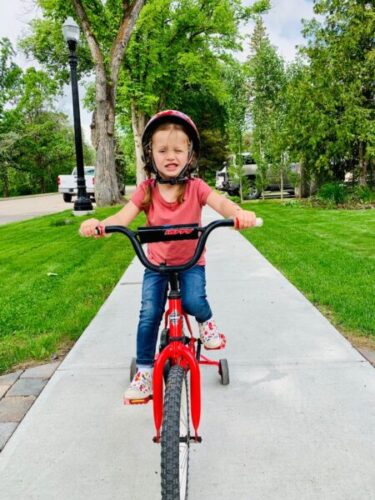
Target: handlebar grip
x=100, y=230
x=258, y=222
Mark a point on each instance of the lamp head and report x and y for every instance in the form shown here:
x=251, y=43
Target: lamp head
x=70, y=30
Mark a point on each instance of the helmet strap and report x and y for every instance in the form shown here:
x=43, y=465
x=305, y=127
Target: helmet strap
x=173, y=182
x=182, y=177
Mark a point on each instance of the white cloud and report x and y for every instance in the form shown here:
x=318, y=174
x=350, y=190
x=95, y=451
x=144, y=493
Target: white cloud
x=15, y=16
x=283, y=24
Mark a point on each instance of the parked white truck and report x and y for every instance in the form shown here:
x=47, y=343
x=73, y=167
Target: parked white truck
x=68, y=183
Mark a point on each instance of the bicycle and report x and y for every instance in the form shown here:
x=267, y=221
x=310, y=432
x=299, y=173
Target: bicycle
x=179, y=356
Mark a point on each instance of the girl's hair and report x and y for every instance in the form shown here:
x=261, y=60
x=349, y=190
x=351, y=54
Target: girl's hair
x=147, y=200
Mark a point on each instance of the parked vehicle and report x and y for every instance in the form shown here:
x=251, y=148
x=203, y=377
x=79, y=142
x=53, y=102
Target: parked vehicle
x=228, y=183
x=221, y=177
x=68, y=184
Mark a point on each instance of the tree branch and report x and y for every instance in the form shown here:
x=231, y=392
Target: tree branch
x=90, y=37
x=131, y=14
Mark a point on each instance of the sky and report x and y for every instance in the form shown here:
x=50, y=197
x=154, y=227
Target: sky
x=283, y=23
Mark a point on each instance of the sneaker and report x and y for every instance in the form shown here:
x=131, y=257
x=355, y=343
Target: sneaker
x=140, y=388
x=210, y=336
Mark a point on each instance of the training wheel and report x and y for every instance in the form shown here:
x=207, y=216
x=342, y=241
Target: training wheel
x=224, y=371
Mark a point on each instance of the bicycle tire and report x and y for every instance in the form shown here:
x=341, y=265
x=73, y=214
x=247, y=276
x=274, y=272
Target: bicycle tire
x=174, y=453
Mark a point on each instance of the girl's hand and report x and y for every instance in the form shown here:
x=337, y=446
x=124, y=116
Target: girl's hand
x=244, y=219
x=87, y=228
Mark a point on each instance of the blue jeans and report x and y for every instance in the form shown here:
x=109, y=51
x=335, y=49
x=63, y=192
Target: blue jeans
x=154, y=296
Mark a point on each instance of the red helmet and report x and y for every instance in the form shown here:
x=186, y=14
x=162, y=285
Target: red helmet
x=170, y=116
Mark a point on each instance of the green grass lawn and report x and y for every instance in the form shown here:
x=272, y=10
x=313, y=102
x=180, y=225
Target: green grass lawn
x=329, y=255
x=52, y=283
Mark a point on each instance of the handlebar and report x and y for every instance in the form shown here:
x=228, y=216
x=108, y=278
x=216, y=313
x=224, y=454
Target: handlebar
x=169, y=233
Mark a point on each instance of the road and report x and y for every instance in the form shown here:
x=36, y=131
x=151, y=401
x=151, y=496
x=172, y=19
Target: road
x=27, y=207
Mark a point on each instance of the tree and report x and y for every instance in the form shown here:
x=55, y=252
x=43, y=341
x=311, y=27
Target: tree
x=305, y=131
x=237, y=106
x=266, y=80
x=10, y=76
x=107, y=27
x=173, y=46
x=36, y=143
x=341, y=56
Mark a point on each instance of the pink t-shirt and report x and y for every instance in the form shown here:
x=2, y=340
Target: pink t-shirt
x=162, y=212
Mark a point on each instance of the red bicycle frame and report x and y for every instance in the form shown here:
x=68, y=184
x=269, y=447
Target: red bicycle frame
x=176, y=352
x=179, y=349
x=182, y=351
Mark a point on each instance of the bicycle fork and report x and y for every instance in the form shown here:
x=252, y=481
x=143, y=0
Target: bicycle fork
x=177, y=353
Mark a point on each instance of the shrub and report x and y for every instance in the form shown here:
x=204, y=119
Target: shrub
x=292, y=203
x=235, y=199
x=333, y=192
x=364, y=194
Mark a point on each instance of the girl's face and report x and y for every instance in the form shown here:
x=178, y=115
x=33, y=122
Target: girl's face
x=170, y=150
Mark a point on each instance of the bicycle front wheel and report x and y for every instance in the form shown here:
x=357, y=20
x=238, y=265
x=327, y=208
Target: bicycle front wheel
x=175, y=437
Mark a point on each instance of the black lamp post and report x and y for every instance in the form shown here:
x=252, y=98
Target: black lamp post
x=82, y=204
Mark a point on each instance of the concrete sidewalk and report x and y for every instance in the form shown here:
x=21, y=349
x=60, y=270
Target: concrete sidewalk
x=296, y=422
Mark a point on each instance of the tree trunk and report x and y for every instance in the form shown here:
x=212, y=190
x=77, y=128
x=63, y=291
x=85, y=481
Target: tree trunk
x=5, y=180
x=362, y=164
x=42, y=184
x=106, y=186
x=138, y=124
x=303, y=188
x=103, y=125
x=282, y=181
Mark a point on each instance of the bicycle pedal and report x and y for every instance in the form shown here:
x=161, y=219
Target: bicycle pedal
x=128, y=402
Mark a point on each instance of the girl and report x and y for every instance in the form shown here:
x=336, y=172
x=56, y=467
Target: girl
x=170, y=195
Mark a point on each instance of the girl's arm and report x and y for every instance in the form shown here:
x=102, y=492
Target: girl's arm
x=228, y=209
x=122, y=218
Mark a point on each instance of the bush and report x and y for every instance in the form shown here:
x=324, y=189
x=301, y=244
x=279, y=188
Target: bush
x=130, y=176
x=235, y=199
x=333, y=193
x=363, y=194
x=292, y=204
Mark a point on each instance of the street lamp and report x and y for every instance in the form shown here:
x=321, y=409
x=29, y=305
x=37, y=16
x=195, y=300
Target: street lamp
x=82, y=205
